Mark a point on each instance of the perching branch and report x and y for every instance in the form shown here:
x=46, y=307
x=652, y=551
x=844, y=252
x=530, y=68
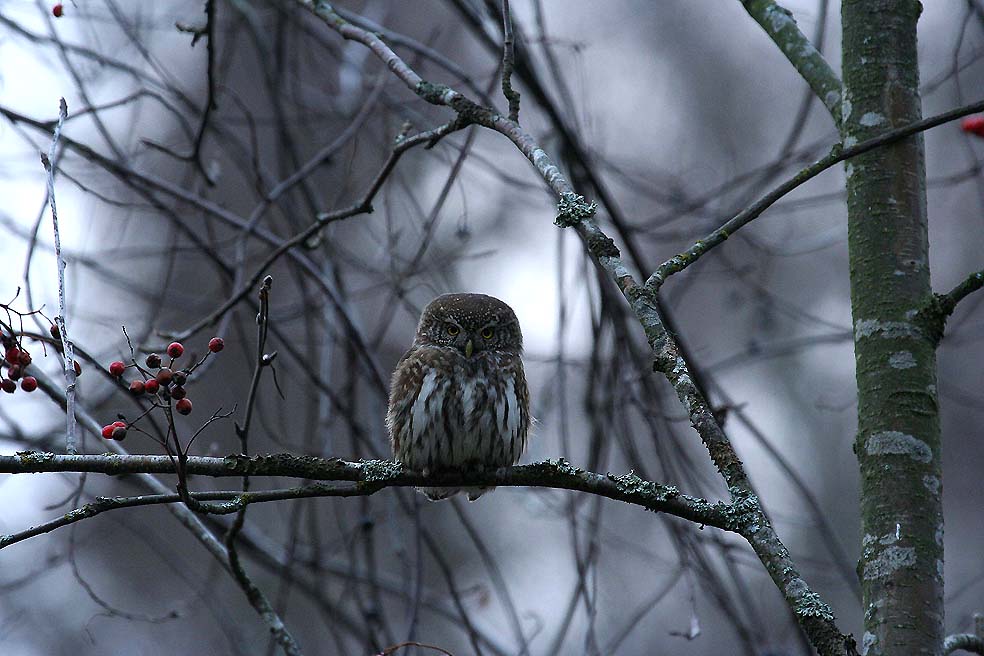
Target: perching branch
x=374, y=475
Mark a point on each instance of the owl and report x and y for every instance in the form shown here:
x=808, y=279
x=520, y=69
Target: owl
x=458, y=398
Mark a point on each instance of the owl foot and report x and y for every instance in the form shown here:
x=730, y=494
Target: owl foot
x=438, y=493
x=475, y=492
x=442, y=493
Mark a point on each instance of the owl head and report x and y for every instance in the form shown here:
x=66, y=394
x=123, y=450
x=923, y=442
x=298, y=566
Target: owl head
x=470, y=323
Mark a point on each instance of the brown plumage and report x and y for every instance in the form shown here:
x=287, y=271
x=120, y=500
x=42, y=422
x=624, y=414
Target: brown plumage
x=458, y=398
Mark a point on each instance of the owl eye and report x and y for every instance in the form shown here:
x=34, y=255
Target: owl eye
x=487, y=333
x=453, y=329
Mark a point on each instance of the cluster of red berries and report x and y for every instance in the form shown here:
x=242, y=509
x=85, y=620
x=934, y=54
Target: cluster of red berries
x=973, y=125
x=17, y=359
x=115, y=431
x=158, y=381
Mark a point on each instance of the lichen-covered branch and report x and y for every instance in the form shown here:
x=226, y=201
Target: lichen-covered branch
x=963, y=642
x=374, y=475
x=778, y=23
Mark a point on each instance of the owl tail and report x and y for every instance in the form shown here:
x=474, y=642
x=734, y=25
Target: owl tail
x=441, y=493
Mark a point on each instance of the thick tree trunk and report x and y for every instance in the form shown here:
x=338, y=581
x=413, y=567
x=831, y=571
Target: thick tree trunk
x=898, y=440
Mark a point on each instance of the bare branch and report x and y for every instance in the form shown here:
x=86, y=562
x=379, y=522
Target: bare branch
x=234, y=501
x=971, y=284
x=508, y=62
x=60, y=320
x=778, y=23
x=378, y=474
x=963, y=642
x=410, y=643
x=838, y=153
x=363, y=206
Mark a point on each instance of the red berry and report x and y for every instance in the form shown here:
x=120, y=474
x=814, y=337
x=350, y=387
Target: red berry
x=12, y=355
x=151, y=386
x=107, y=431
x=14, y=371
x=180, y=377
x=119, y=433
x=974, y=125
x=24, y=358
x=8, y=386
x=29, y=384
x=78, y=367
x=137, y=387
x=117, y=368
x=216, y=344
x=175, y=349
x=53, y=329
x=119, y=423
x=183, y=406
x=178, y=392
x=164, y=376
x=153, y=361
x=58, y=10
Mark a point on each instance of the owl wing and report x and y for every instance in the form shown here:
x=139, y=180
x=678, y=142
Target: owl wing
x=404, y=388
x=517, y=423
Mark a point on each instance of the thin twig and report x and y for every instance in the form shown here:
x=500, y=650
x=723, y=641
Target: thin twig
x=253, y=593
x=362, y=206
x=210, y=104
x=60, y=322
x=410, y=643
x=234, y=501
x=969, y=285
x=838, y=153
x=933, y=316
x=508, y=62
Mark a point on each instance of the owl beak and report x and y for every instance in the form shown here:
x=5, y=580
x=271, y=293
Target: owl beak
x=469, y=347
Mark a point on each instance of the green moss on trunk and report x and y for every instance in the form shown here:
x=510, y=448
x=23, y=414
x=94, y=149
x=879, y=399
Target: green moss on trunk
x=898, y=439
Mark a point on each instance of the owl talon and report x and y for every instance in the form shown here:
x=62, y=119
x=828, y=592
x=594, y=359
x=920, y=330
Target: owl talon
x=475, y=492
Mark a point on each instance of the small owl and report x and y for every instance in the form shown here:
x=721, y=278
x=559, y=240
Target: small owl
x=458, y=398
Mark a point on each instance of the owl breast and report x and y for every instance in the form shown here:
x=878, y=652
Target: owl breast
x=451, y=412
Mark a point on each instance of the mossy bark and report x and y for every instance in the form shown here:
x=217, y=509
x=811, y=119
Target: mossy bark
x=898, y=439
